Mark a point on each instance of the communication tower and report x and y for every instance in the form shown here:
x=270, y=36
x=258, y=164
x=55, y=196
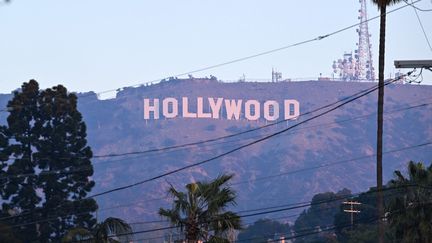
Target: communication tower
x=364, y=68
x=359, y=67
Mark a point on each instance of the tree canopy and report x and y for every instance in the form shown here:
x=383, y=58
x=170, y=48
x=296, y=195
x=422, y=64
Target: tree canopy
x=264, y=229
x=410, y=211
x=200, y=212
x=45, y=184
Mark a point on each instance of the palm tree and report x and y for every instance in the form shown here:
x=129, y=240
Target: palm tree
x=111, y=230
x=382, y=5
x=410, y=211
x=200, y=212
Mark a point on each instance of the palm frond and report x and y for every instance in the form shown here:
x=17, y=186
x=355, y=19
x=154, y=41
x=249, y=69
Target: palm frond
x=78, y=234
x=380, y=3
x=201, y=209
x=114, y=229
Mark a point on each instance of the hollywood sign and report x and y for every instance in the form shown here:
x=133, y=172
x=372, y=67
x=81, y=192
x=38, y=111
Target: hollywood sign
x=217, y=108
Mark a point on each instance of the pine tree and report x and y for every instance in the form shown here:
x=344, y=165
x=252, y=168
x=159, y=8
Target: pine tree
x=20, y=191
x=50, y=179
x=62, y=147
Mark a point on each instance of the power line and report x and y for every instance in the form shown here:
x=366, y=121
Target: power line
x=243, y=216
x=417, y=8
x=279, y=209
x=228, y=136
x=247, y=225
x=334, y=163
x=318, y=38
x=422, y=28
x=57, y=217
x=269, y=136
x=287, y=208
x=293, y=132
x=240, y=147
x=363, y=221
x=313, y=231
x=85, y=168
x=295, y=172
x=268, y=177
x=234, y=134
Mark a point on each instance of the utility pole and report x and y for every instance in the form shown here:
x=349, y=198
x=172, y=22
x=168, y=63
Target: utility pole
x=427, y=64
x=352, y=211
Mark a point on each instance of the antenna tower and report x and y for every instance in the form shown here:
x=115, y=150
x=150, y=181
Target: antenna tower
x=357, y=67
x=364, y=69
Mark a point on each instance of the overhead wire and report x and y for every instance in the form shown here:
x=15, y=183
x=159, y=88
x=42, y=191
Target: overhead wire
x=427, y=143
x=293, y=172
x=417, y=8
x=217, y=138
x=85, y=168
x=177, y=235
x=312, y=231
x=287, y=208
x=415, y=78
x=234, y=134
x=318, y=38
x=349, y=96
x=223, y=137
x=340, y=162
x=347, y=225
x=243, y=146
x=56, y=217
x=291, y=207
x=240, y=147
x=422, y=27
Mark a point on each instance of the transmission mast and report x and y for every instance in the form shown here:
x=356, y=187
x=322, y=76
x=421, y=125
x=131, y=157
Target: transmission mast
x=364, y=69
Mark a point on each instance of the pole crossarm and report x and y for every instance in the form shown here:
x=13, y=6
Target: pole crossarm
x=352, y=211
x=413, y=63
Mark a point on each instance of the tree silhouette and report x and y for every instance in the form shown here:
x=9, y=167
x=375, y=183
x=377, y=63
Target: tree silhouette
x=262, y=230
x=50, y=175
x=382, y=5
x=20, y=191
x=110, y=230
x=201, y=212
x=410, y=212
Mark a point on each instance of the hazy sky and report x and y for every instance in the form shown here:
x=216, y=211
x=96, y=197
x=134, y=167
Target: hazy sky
x=104, y=44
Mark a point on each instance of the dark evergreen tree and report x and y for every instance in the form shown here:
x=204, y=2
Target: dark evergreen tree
x=53, y=159
x=20, y=187
x=62, y=148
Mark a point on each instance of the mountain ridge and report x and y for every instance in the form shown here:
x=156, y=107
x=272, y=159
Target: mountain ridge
x=118, y=126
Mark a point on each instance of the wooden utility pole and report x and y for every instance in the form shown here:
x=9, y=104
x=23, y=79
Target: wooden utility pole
x=379, y=172
x=352, y=211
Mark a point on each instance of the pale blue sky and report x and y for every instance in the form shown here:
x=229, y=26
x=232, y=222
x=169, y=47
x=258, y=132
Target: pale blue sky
x=104, y=44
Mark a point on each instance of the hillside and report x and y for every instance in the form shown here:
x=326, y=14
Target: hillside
x=117, y=126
